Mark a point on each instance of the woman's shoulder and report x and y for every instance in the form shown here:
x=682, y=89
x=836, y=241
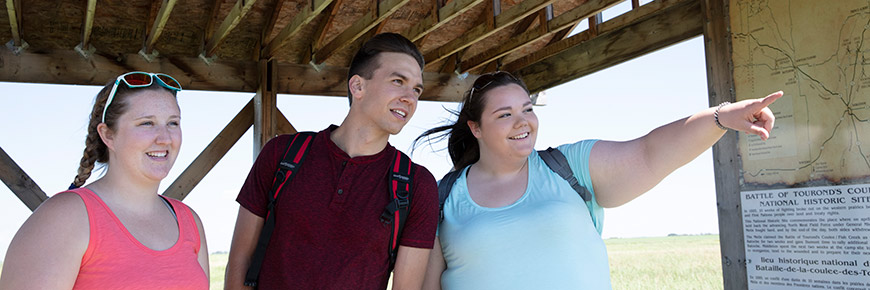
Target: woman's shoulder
x=66, y=209
x=63, y=215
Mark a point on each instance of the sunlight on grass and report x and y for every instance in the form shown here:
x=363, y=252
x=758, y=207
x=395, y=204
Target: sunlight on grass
x=678, y=262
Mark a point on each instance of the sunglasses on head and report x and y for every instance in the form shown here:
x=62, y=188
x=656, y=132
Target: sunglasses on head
x=138, y=79
x=486, y=79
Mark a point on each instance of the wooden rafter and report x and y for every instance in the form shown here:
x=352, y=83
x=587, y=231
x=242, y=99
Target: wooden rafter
x=559, y=23
x=240, y=9
x=194, y=74
x=359, y=28
x=615, y=23
x=481, y=31
x=212, y=153
x=270, y=26
x=13, y=9
x=159, y=24
x=19, y=182
x=630, y=35
x=90, y=10
x=209, y=28
x=320, y=31
x=436, y=20
x=305, y=16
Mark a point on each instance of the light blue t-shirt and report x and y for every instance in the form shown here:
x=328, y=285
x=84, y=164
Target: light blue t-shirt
x=545, y=240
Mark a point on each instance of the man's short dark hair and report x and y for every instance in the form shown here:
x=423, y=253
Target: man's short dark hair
x=364, y=63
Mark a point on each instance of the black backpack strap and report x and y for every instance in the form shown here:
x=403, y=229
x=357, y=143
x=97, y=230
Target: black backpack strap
x=444, y=188
x=400, y=182
x=287, y=168
x=559, y=164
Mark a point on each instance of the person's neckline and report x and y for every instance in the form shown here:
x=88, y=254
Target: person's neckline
x=519, y=200
x=129, y=235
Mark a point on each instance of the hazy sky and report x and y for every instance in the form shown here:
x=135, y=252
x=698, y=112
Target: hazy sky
x=43, y=130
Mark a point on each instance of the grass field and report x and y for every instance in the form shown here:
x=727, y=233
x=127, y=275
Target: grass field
x=679, y=262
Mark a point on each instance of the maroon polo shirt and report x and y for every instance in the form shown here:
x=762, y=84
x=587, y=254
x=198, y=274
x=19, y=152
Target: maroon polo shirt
x=328, y=234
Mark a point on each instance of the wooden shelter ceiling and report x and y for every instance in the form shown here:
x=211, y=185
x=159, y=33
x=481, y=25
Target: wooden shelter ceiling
x=218, y=44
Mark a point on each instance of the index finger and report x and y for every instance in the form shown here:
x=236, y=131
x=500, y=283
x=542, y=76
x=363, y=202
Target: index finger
x=766, y=101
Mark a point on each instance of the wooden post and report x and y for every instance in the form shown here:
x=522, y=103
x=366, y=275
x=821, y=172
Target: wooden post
x=265, y=105
x=726, y=162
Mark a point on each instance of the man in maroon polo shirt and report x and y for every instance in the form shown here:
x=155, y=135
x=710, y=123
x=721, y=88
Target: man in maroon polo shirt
x=328, y=234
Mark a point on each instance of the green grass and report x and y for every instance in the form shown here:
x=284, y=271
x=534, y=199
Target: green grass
x=677, y=262
x=217, y=264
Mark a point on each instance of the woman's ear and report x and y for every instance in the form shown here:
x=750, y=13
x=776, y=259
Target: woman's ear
x=474, y=127
x=106, y=135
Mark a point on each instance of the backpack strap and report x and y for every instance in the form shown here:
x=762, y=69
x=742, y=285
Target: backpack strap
x=287, y=168
x=554, y=159
x=400, y=192
x=444, y=188
x=559, y=164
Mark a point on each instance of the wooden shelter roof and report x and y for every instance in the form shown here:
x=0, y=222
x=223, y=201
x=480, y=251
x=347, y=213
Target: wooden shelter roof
x=218, y=44
x=304, y=47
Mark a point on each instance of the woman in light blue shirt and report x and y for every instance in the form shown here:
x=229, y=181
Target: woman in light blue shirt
x=510, y=222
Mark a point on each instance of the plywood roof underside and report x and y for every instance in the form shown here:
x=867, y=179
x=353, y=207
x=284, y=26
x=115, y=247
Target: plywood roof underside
x=219, y=44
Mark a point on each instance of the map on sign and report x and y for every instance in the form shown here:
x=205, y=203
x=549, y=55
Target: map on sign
x=818, y=53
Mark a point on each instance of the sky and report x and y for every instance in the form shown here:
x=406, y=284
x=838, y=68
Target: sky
x=42, y=127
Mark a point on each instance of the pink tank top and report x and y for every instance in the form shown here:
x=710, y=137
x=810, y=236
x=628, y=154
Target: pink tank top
x=116, y=260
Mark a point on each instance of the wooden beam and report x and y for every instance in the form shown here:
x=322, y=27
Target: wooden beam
x=615, y=23
x=726, y=160
x=90, y=10
x=55, y=67
x=240, y=9
x=265, y=105
x=320, y=31
x=20, y=183
x=13, y=10
x=209, y=157
x=305, y=16
x=270, y=25
x=359, y=28
x=209, y=27
x=68, y=67
x=678, y=21
x=159, y=24
x=561, y=22
x=442, y=16
x=481, y=31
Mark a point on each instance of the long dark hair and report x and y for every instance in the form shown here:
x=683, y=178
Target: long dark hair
x=461, y=143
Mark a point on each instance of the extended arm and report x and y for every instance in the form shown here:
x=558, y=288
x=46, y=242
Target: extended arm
x=248, y=227
x=622, y=171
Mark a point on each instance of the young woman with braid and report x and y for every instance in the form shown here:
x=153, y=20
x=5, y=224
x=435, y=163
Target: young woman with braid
x=510, y=222
x=117, y=232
